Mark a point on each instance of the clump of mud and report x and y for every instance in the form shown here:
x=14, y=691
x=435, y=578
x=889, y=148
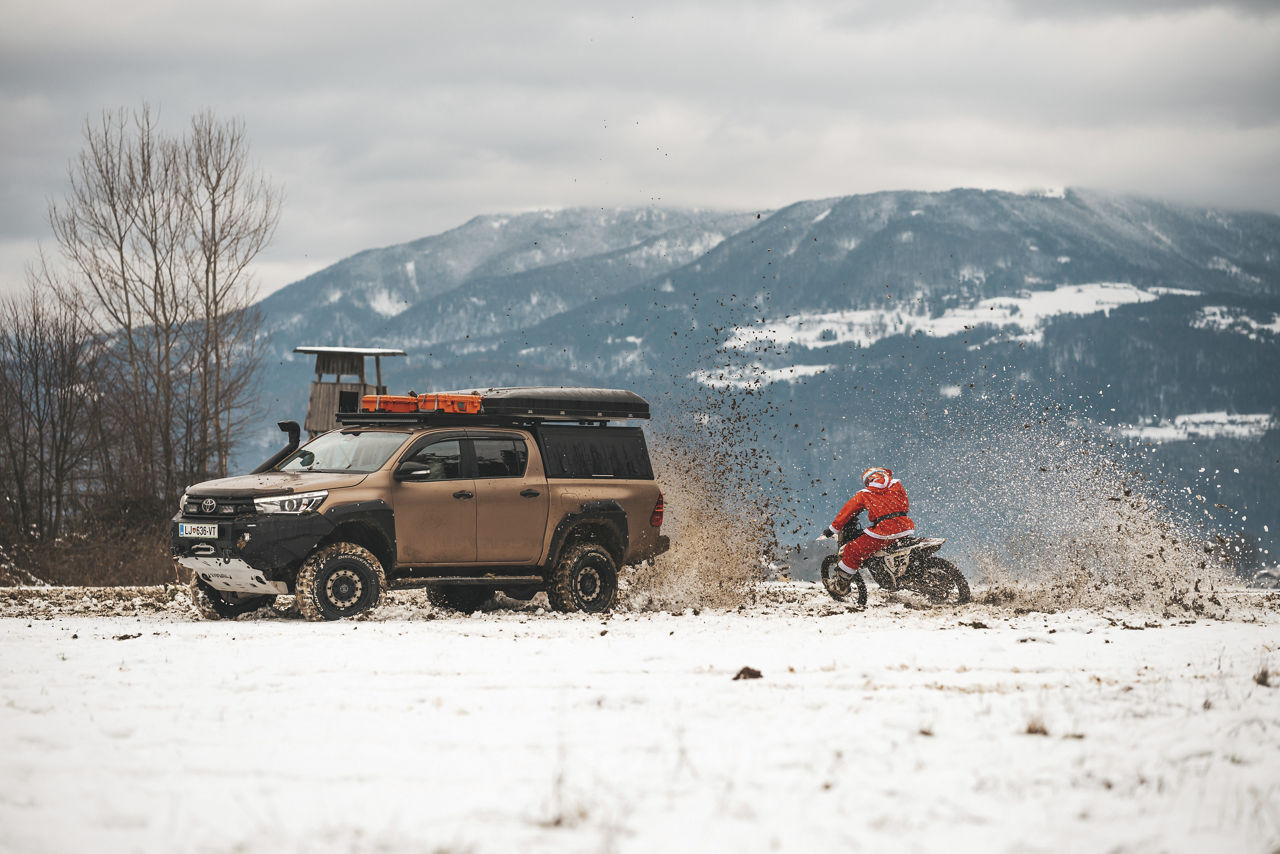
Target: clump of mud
x=1064, y=519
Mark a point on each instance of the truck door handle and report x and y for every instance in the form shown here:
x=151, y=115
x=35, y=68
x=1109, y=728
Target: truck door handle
x=530, y=493
x=462, y=493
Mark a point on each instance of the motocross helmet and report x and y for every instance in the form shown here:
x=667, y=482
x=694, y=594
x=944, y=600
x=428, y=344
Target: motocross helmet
x=876, y=478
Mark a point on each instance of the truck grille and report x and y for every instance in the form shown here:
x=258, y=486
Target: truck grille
x=214, y=508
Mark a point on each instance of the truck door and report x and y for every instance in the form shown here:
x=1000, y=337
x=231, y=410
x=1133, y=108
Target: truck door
x=435, y=505
x=512, y=499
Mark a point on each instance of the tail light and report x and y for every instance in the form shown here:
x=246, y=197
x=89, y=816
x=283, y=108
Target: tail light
x=656, y=518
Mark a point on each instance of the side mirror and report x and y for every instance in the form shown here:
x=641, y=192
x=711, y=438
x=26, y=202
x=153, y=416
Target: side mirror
x=411, y=470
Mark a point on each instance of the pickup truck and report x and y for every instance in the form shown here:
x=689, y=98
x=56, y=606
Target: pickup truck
x=549, y=498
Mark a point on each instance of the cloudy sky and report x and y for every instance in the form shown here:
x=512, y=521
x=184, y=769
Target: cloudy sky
x=390, y=120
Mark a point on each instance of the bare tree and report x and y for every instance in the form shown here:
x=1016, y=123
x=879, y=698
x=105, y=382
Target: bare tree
x=50, y=378
x=234, y=210
x=122, y=229
x=160, y=231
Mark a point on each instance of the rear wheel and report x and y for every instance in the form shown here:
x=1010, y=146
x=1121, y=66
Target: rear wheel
x=840, y=584
x=214, y=604
x=339, y=580
x=584, y=579
x=945, y=583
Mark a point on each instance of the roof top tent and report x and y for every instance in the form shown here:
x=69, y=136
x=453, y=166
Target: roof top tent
x=342, y=393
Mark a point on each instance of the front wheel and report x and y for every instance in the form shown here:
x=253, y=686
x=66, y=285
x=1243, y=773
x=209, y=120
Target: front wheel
x=841, y=584
x=339, y=580
x=944, y=583
x=214, y=604
x=584, y=579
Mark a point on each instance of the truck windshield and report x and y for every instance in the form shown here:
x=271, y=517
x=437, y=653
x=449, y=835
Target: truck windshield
x=362, y=451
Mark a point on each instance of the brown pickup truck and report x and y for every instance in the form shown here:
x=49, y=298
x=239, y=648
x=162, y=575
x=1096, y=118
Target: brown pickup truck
x=538, y=491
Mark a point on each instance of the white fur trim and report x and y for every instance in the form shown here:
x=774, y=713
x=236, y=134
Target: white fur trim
x=847, y=569
x=890, y=536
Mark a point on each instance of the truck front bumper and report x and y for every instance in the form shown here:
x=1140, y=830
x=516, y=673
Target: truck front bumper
x=252, y=554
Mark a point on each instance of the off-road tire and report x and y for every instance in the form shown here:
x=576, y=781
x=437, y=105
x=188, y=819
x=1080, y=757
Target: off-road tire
x=839, y=587
x=936, y=567
x=211, y=604
x=585, y=578
x=459, y=598
x=339, y=580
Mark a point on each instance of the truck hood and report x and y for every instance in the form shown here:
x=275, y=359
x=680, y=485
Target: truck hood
x=273, y=483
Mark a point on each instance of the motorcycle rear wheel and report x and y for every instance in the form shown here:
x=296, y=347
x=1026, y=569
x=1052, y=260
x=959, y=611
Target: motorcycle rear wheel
x=841, y=585
x=947, y=585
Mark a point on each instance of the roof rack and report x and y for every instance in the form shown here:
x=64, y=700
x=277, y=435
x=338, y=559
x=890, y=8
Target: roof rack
x=501, y=405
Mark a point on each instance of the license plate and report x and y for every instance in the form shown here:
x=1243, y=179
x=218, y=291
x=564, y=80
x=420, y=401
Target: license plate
x=203, y=532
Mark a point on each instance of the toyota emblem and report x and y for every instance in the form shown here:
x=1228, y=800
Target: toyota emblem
x=208, y=505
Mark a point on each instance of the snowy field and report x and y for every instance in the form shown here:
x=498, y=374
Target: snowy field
x=127, y=726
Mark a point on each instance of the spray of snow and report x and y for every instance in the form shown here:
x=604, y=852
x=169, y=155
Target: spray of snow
x=1066, y=520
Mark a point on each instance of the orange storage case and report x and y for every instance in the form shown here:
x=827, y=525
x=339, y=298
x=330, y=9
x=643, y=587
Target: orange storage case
x=388, y=403
x=458, y=404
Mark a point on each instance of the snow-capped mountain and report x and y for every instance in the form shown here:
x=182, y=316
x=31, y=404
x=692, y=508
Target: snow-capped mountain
x=863, y=318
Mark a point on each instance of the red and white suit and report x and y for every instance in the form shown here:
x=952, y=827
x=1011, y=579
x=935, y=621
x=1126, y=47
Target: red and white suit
x=888, y=520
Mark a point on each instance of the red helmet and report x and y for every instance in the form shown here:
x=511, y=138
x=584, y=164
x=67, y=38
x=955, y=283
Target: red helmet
x=876, y=478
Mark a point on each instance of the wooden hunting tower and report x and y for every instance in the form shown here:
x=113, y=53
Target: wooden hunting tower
x=342, y=393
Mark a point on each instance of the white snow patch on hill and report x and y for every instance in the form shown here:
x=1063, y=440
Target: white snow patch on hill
x=1203, y=425
x=1231, y=269
x=1220, y=318
x=1026, y=314
x=386, y=304
x=754, y=376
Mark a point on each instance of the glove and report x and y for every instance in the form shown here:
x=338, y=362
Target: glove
x=827, y=533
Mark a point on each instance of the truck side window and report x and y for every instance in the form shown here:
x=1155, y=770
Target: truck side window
x=443, y=460
x=500, y=457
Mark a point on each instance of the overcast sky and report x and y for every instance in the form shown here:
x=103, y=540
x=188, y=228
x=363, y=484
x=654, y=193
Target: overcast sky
x=389, y=121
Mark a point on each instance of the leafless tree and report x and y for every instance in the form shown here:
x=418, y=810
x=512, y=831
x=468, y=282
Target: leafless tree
x=160, y=231
x=51, y=372
x=233, y=210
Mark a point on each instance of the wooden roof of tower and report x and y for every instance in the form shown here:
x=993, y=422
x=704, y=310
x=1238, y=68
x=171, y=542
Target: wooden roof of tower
x=327, y=397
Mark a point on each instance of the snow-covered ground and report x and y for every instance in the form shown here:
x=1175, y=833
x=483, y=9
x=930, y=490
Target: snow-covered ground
x=127, y=726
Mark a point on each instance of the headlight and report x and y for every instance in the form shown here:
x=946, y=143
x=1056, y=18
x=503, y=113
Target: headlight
x=303, y=502
x=182, y=503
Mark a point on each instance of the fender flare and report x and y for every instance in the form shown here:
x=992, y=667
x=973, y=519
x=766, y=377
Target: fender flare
x=377, y=517
x=606, y=513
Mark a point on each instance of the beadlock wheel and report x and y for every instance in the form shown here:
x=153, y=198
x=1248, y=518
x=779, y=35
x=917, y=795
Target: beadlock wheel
x=585, y=579
x=337, y=581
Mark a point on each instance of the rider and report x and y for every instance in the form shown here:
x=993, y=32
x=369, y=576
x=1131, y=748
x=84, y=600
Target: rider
x=885, y=501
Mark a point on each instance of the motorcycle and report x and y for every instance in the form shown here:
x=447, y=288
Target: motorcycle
x=908, y=563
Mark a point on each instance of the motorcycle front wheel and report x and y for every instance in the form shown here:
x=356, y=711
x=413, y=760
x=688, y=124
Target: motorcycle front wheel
x=840, y=584
x=944, y=583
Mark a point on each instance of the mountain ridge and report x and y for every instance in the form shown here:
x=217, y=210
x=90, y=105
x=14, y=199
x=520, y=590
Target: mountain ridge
x=852, y=310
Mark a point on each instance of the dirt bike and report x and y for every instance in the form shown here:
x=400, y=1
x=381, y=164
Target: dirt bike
x=908, y=563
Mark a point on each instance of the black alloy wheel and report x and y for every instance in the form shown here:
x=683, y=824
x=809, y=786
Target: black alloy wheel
x=337, y=581
x=585, y=579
